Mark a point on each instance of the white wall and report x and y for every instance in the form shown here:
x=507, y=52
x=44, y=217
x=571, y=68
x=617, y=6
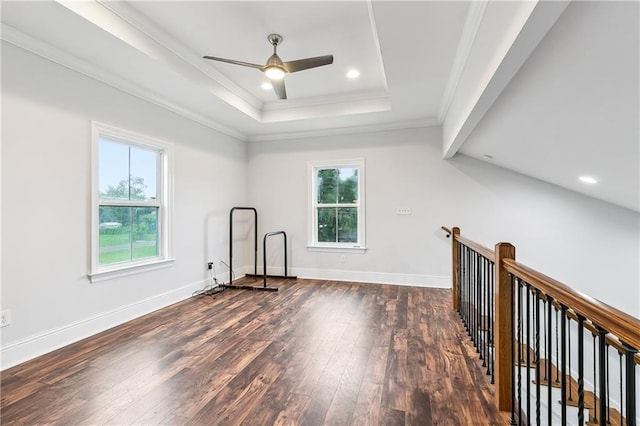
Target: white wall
x=46, y=114
x=401, y=249
x=590, y=245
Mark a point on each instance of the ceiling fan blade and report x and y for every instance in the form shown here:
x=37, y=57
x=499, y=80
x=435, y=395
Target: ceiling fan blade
x=303, y=64
x=231, y=61
x=278, y=87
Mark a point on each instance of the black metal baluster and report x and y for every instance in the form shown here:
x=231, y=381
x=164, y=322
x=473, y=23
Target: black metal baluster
x=478, y=305
x=463, y=281
x=520, y=316
x=487, y=324
x=630, y=382
x=580, y=370
x=470, y=294
x=536, y=314
x=621, y=396
x=459, y=272
x=519, y=350
x=595, y=386
x=544, y=338
x=513, y=342
x=483, y=307
x=475, y=300
x=465, y=286
x=492, y=359
x=548, y=361
x=557, y=348
x=487, y=319
x=528, y=349
x=608, y=384
x=563, y=363
x=569, y=355
x=460, y=281
x=602, y=380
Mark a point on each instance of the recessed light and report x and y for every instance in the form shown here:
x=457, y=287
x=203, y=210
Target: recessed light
x=266, y=86
x=353, y=73
x=588, y=179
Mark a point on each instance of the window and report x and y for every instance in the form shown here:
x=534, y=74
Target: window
x=337, y=205
x=131, y=203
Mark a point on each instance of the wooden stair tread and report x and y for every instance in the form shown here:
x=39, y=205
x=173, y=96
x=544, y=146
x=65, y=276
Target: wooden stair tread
x=590, y=400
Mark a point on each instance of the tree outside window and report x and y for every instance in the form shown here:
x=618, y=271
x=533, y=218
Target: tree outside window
x=337, y=204
x=128, y=212
x=131, y=202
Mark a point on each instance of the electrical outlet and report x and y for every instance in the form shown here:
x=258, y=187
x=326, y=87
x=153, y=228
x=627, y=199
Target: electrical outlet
x=5, y=318
x=343, y=258
x=403, y=210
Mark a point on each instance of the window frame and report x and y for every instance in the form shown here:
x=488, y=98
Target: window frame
x=313, y=243
x=163, y=201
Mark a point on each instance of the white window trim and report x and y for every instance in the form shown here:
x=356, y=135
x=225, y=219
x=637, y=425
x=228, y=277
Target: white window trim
x=101, y=273
x=312, y=242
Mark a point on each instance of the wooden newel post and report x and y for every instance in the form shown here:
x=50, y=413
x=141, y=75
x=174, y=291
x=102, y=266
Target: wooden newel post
x=455, y=262
x=504, y=332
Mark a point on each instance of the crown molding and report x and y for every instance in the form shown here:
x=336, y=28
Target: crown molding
x=228, y=91
x=323, y=106
x=339, y=131
x=467, y=39
x=373, y=94
x=53, y=54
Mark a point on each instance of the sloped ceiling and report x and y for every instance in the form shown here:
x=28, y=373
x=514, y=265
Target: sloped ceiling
x=573, y=108
x=548, y=89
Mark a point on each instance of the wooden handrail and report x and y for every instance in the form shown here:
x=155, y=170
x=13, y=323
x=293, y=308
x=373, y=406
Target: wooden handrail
x=479, y=248
x=621, y=330
x=485, y=251
x=620, y=324
x=611, y=341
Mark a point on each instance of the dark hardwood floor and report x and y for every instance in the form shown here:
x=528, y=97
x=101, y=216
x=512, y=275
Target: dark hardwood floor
x=313, y=353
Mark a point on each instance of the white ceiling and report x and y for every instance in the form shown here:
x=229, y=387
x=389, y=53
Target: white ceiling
x=570, y=109
x=573, y=108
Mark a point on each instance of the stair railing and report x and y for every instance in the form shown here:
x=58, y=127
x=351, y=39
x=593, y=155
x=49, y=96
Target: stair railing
x=522, y=322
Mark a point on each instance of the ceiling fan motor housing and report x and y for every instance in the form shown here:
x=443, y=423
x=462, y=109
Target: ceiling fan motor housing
x=274, y=39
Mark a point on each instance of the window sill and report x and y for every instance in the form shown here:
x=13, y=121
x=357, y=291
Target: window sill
x=335, y=249
x=124, y=271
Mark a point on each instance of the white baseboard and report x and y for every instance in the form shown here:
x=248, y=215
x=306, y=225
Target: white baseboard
x=42, y=343
x=415, y=280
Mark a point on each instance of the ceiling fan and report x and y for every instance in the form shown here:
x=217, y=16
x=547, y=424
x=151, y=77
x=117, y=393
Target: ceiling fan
x=275, y=68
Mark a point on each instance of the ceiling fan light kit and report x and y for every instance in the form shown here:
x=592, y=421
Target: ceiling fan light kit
x=275, y=68
x=274, y=73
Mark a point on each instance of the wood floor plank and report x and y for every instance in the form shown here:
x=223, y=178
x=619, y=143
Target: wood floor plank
x=368, y=406
x=291, y=410
x=316, y=352
x=346, y=396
